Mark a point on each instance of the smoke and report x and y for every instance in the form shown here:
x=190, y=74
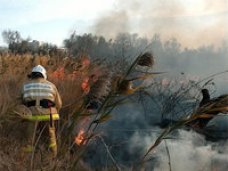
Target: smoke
x=129, y=135
x=132, y=130
x=193, y=23
x=114, y=23
x=191, y=152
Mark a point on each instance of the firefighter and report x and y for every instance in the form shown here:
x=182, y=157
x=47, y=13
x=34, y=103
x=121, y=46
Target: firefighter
x=44, y=102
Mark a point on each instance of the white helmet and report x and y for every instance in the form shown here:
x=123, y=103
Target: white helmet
x=41, y=70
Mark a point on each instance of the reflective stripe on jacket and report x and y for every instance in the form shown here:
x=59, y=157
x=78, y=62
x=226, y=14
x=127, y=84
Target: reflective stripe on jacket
x=38, y=89
x=43, y=90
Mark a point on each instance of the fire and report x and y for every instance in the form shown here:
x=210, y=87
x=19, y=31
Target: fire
x=59, y=73
x=85, y=85
x=80, y=139
x=86, y=62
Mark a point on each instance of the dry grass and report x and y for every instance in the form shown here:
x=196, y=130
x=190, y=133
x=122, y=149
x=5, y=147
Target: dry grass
x=68, y=74
x=77, y=79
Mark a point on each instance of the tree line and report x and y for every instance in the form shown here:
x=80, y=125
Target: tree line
x=169, y=54
x=18, y=45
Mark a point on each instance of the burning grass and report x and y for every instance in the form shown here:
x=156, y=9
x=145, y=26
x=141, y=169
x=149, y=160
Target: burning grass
x=72, y=76
x=90, y=90
x=82, y=84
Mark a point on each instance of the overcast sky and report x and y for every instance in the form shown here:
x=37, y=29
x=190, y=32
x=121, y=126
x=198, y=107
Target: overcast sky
x=193, y=22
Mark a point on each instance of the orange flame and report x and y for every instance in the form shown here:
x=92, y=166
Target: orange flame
x=85, y=85
x=86, y=62
x=59, y=73
x=80, y=139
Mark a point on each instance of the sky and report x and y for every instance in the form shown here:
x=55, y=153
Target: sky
x=193, y=22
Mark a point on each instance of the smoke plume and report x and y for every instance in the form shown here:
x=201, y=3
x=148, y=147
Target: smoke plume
x=193, y=23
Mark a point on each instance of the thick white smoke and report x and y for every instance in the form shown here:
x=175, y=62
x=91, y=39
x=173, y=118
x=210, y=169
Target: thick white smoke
x=188, y=151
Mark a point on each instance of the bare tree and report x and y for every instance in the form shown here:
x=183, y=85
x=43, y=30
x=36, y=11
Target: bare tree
x=10, y=36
